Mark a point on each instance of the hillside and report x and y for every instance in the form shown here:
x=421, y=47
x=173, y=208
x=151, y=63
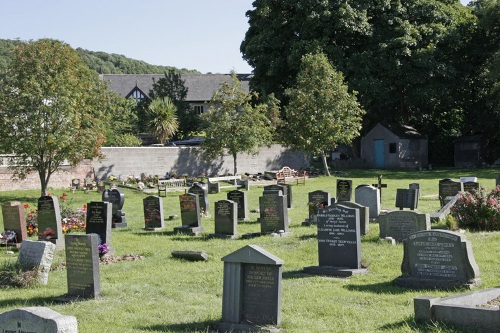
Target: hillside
x=101, y=62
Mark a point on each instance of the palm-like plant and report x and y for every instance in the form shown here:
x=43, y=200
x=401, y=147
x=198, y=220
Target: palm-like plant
x=163, y=120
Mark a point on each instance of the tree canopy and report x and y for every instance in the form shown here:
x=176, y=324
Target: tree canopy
x=163, y=121
x=53, y=108
x=322, y=113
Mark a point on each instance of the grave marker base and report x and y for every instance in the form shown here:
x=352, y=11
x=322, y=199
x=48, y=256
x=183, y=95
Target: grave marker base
x=224, y=236
x=153, y=229
x=119, y=225
x=334, y=271
x=419, y=283
x=192, y=231
x=231, y=327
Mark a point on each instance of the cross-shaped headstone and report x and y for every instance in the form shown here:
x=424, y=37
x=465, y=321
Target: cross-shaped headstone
x=379, y=185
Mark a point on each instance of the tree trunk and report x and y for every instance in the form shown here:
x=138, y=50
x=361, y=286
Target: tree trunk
x=325, y=164
x=44, y=181
x=235, y=164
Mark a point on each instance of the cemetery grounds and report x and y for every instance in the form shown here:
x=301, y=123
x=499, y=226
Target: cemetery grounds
x=159, y=293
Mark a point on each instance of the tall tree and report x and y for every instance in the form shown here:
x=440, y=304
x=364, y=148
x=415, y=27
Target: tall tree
x=162, y=119
x=233, y=124
x=53, y=108
x=322, y=113
x=173, y=87
x=123, y=122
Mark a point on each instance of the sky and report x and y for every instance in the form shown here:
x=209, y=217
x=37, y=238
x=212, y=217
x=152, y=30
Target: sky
x=204, y=35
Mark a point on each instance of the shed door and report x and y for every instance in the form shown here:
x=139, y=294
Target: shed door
x=378, y=153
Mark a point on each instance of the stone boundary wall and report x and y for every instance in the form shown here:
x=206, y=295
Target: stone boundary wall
x=60, y=179
x=122, y=162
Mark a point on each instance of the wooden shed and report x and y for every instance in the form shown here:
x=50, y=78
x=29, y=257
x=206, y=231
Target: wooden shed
x=394, y=147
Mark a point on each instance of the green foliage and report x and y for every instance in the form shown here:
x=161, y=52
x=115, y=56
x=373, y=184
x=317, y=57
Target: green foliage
x=53, y=108
x=123, y=121
x=478, y=210
x=162, y=118
x=233, y=124
x=127, y=140
x=322, y=113
x=13, y=275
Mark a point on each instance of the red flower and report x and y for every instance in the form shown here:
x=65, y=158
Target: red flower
x=26, y=206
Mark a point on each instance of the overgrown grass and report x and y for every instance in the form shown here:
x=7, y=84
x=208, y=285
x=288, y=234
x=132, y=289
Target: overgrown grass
x=163, y=294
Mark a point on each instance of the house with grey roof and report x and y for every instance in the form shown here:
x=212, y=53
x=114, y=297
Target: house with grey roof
x=200, y=87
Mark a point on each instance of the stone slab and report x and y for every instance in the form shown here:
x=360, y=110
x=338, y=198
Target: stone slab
x=37, y=319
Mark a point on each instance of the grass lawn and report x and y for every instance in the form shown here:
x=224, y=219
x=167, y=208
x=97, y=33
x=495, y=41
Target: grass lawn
x=162, y=294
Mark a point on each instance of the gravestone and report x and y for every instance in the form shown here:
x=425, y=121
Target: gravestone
x=273, y=213
x=190, y=215
x=226, y=219
x=33, y=254
x=471, y=186
x=14, y=219
x=380, y=186
x=37, y=319
x=400, y=224
x=49, y=221
x=438, y=259
x=339, y=242
x=251, y=295
x=368, y=196
x=364, y=215
x=99, y=220
x=101, y=186
x=241, y=199
x=316, y=200
x=406, y=198
x=82, y=266
x=203, y=203
x=153, y=213
x=75, y=184
x=117, y=199
x=497, y=181
x=449, y=188
x=344, y=190
x=415, y=186
x=286, y=189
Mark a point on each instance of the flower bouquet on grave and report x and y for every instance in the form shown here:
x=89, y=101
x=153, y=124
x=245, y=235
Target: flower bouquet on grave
x=8, y=236
x=47, y=234
x=102, y=249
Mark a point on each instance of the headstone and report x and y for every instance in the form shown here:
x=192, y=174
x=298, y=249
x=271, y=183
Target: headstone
x=203, y=203
x=82, y=266
x=497, y=181
x=344, y=190
x=284, y=188
x=449, y=188
x=339, y=242
x=153, y=213
x=190, y=215
x=99, y=220
x=400, y=224
x=37, y=319
x=438, y=259
x=316, y=200
x=35, y=254
x=14, y=220
x=368, y=196
x=380, y=186
x=75, y=183
x=364, y=215
x=273, y=213
x=406, y=198
x=226, y=219
x=101, y=186
x=471, y=186
x=241, y=199
x=49, y=221
x=416, y=187
x=251, y=293
x=117, y=199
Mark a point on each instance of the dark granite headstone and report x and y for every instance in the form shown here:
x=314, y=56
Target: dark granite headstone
x=75, y=183
x=497, y=181
x=406, y=198
x=153, y=213
x=117, y=199
x=251, y=290
x=339, y=242
x=449, y=188
x=241, y=199
x=438, y=259
x=471, y=186
x=364, y=215
x=49, y=221
x=101, y=186
x=203, y=203
x=344, y=190
x=400, y=224
x=99, y=220
x=226, y=218
x=284, y=188
x=316, y=200
x=190, y=214
x=14, y=219
x=82, y=266
x=273, y=212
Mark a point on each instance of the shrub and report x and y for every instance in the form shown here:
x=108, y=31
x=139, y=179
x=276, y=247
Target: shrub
x=12, y=275
x=478, y=210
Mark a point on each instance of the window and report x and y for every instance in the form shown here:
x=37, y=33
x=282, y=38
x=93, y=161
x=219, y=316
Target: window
x=198, y=109
x=393, y=148
x=137, y=95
